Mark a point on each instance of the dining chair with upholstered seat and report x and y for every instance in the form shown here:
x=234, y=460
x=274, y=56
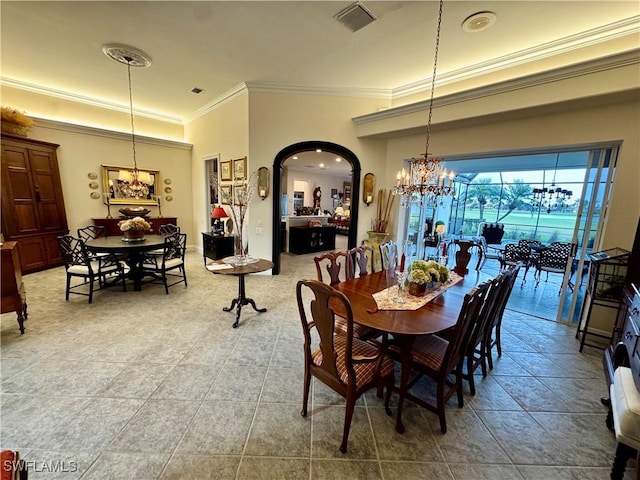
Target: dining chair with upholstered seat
x=338, y=359
x=78, y=263
x=438, y=359
x=340, y=268
x=170, y=264
x=492, y=332
x=475, y=351
x=362, y=260
x=389, y=255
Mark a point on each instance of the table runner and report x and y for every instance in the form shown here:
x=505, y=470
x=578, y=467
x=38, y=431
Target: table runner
x=384, y=298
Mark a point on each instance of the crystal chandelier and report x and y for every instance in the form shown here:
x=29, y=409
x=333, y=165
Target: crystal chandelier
x=132, y=183
x=553, y=197
x=426, y=178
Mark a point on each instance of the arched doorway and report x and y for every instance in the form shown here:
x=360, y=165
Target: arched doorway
x=278, y=164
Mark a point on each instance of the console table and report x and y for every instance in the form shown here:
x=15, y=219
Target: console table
x=312, y=239
x=14, y=297
x=216, y=247
x=111, y=224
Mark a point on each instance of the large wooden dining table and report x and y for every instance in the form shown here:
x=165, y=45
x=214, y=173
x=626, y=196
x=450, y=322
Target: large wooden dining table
x=436, y=316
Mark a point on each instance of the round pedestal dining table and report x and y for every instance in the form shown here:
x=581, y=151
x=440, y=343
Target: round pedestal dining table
x=132, y=251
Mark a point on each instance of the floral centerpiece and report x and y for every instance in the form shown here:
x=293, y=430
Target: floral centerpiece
x=424, y=274
x=134, y=228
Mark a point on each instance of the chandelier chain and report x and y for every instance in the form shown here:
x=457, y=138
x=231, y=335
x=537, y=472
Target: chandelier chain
x=433, y=79
x=133, y=132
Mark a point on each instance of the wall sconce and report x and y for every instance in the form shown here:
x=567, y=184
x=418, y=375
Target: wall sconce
x=368, y=188
x=263, y=182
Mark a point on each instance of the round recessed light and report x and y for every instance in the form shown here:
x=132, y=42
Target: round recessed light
x=321, y=165
x=478, y=21
x=294, y=158
x=338, y=159
x=318, y=150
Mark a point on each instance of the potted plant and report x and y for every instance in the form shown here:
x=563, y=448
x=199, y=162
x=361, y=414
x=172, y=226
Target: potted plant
x=423, y=275
x=134, y=228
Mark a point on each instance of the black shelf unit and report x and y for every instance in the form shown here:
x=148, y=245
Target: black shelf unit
x=605, y=287
x=312, y=239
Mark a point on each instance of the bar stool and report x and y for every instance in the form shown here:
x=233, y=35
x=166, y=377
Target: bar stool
x=625, y=406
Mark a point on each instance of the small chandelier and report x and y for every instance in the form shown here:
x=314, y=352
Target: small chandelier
x=553, y=197
x=132, y=183
x=426, y=178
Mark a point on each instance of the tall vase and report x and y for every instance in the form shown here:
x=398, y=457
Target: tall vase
x=374, y=240
x=241, y=244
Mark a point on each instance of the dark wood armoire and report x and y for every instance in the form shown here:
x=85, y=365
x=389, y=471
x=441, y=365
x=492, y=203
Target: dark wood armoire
x=33, y=211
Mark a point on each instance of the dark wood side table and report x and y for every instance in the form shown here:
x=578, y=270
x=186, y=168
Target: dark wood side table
x=240, y=272
x=216, y=247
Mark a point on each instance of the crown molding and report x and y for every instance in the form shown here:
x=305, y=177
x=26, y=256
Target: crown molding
x=226, y=97
x=112, y=134
x=602, y=64
x=74, y=97
x=333, y=91
x=580, y=40
x=594, y=36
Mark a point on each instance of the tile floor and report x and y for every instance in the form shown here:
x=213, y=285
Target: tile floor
x=144, y=385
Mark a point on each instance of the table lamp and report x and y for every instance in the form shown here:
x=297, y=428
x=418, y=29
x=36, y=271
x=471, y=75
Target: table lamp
x=217, y=225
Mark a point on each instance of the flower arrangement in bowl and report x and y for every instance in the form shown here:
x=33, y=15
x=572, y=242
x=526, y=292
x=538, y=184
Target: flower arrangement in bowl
x=133, y=229
x=425, y=274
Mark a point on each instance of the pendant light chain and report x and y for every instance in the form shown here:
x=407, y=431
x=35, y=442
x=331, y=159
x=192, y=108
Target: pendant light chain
x=133, y=134
x=433, y=79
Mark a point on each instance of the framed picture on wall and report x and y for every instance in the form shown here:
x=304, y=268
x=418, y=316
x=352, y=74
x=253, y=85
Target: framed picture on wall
x=240, y=168
x=226, y=194
x=225, y=170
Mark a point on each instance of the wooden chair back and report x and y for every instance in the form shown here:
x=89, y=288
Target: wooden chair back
x=337, y=264
x=361, y=260
x=346, y=364
x=389, y=255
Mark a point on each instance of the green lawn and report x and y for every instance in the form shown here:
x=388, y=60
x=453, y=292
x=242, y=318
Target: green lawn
x=518, y=225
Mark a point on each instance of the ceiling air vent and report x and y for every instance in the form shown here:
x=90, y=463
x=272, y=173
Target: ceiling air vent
x=355, y=16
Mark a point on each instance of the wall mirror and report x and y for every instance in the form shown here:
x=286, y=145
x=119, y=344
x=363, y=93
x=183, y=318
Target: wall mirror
x=116, y=185
x=369, y=185
x=263, y=182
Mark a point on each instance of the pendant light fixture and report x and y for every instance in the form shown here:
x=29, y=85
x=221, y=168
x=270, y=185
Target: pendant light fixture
x=426, y=178
x=553, y=197
x=133, y=183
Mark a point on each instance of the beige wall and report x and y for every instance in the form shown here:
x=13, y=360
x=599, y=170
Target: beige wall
x=81, y=153
x=221, y=133
x=61, y=110
x=279, y=120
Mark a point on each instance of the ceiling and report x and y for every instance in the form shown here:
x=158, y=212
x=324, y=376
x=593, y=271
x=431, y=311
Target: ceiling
x=56, y=47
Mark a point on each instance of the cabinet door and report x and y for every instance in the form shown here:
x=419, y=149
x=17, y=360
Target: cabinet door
x=20, y=211
x=48, y=190
x=32, y=191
